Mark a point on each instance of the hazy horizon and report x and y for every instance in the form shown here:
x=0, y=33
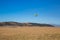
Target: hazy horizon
x=24, y=10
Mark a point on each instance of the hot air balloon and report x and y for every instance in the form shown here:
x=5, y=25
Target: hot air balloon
x=36, y=15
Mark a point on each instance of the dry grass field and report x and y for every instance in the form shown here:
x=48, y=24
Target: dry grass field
x=29, y=33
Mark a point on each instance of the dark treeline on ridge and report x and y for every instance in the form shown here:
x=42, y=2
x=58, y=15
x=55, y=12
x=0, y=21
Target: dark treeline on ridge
x=24, y=24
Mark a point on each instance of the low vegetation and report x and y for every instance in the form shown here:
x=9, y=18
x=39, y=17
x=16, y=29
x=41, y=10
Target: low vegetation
x=29, y=33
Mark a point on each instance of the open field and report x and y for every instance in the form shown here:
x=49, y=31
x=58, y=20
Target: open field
x=30, y=33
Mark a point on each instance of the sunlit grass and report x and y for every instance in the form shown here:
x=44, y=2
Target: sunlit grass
x=30, y=33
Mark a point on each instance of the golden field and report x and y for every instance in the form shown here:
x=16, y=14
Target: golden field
x=29, y=33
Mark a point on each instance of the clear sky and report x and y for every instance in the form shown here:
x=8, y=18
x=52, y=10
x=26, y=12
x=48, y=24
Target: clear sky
x=23, y=11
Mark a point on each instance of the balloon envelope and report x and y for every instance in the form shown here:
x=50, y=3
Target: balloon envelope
x=35, y=15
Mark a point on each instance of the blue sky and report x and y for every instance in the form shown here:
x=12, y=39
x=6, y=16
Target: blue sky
x=23, y=11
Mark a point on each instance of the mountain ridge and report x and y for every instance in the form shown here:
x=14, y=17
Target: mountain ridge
x=23, y=24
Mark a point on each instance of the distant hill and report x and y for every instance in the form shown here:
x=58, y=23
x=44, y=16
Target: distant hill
x=24, y=24
x=56, y=25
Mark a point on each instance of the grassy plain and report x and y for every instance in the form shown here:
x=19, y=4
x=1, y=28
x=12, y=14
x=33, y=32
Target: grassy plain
x=29, y=33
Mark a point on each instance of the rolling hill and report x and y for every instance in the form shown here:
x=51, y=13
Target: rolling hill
x=24, y=24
